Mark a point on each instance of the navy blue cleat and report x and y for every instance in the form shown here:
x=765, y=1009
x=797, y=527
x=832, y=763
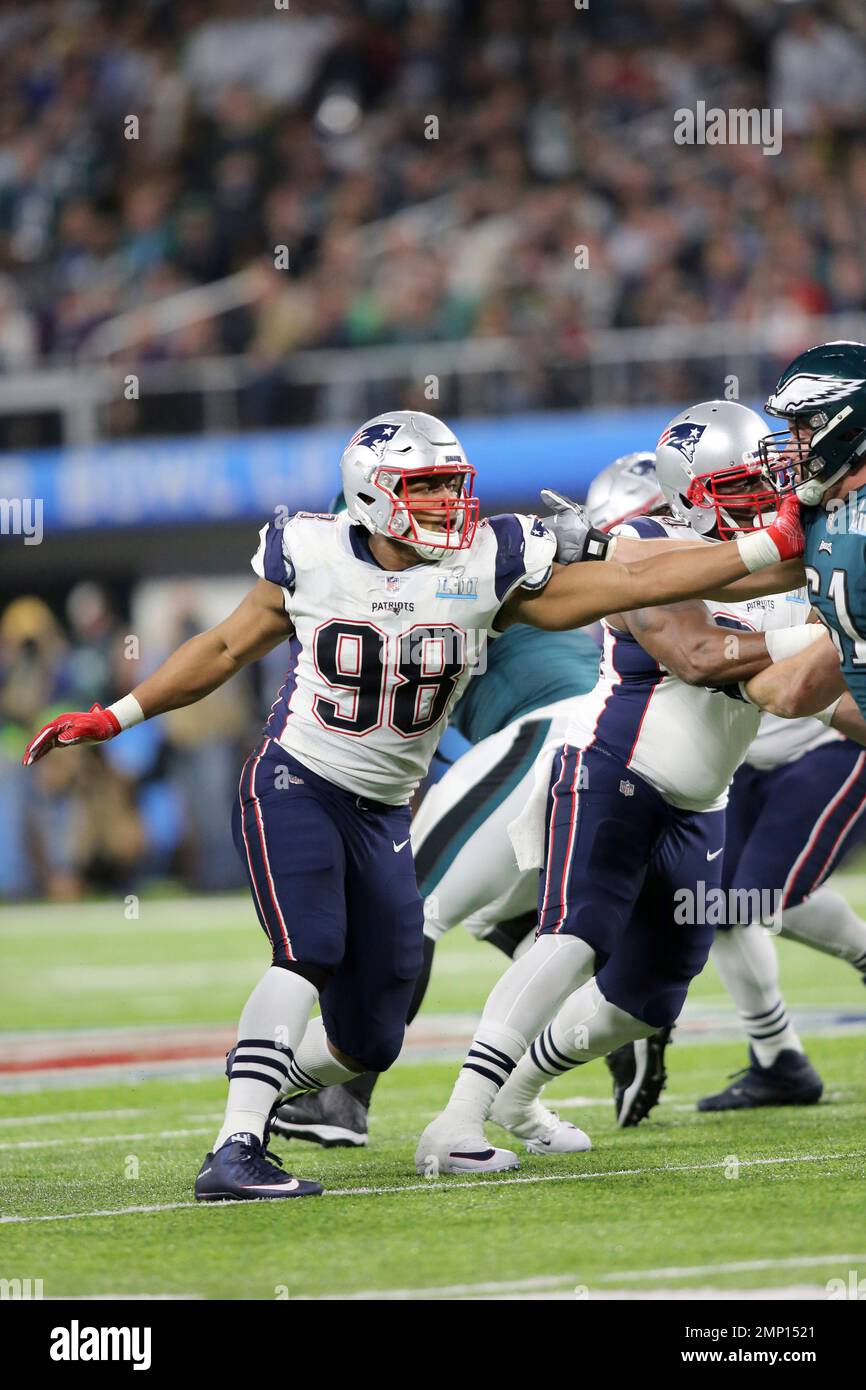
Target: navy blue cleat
x=639, y=1076
x=790, y=1080
x=333, y=1118
x=242, y=1170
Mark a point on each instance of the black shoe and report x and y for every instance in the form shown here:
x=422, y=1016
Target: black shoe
x=639, y=1077
x=790, y=1080
x=332, y=1117
x=242, y=1170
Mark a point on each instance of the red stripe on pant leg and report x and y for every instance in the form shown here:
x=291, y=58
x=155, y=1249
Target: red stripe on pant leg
x=551, y=834
x=818, y=827
x=261, y=829
x=569, y=848
x=262, y=915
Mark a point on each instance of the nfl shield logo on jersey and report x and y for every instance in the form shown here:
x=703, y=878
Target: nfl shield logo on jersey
x=392, y=583
x=627, y=788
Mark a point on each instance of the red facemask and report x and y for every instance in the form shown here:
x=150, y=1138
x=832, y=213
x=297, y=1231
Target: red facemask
x=745, y=491
x=458, y=515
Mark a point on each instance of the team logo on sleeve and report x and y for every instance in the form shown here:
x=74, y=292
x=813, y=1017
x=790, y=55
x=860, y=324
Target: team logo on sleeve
x=683, y=437
x=375, y=437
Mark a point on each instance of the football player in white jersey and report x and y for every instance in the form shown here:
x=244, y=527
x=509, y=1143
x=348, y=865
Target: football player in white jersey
x=797, y=806
x=630, y=818
x=382, y=608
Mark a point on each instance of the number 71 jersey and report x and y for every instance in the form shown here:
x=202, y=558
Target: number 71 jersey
x=379, y=657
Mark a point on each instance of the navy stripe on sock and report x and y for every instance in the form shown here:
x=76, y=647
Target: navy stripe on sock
x=773, y=1033
x=542, y=1066
x=482, y=1071
x=506, y=1063
x=264, y=1042
x=550, y=1046
x=768, y=1013
x=552, y=1061
x=502, y=1057
x=256, y=1076
x=275, y=1062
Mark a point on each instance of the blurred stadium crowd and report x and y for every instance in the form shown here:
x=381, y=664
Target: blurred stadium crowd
x=306, y=127
x=154, y=804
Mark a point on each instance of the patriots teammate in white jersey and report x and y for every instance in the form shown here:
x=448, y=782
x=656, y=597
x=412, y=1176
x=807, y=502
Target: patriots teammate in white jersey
x=631, y=815
x=797, y=806
x=381, y=608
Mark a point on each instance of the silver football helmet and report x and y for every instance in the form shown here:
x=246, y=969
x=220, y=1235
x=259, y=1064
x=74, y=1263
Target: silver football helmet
x=709, y=467
x=376, y=465
x=627, y=488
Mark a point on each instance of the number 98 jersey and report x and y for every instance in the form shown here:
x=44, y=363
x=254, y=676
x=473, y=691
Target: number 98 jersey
x=379, y=657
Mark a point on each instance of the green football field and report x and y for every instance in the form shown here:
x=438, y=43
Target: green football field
x=97, y=1163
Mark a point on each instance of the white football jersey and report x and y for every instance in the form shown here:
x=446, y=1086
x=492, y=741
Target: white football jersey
x=379, y=657
x=781, y=741
x=686, y=741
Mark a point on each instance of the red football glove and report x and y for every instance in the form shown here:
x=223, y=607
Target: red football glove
x=94, y=727
x=787, y=529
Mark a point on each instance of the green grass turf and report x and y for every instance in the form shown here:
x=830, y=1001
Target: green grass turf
x=192, y=962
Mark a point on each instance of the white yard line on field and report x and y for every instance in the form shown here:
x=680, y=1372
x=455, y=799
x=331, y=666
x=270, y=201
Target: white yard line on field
x=788, y=1293
x=552, y=1282
x=433, y=1185
x=74, y=1140
x=73, y=1116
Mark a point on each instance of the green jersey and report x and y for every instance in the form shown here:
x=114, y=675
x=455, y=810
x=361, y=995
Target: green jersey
x=527, y=669
x=835, y=562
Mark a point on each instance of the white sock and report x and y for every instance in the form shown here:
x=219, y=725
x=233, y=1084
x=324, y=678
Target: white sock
x=314, y=1064
x=829, y=923
x=746, y=960
x=587, y=1026
x=271, y=1027
x=521, y=1002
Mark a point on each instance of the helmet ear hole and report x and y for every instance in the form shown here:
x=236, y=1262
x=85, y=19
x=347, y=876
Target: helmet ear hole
x=365, y=497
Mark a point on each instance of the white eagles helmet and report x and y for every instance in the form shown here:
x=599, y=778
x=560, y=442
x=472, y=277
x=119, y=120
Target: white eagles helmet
x=627, y=488
x=709, y=467
x=378, y=460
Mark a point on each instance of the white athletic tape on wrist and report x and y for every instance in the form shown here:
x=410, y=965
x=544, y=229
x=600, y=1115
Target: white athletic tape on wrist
x=127, y=711
x=790, y=641
x=611, y=548
x=826, y=715
x=757, y=550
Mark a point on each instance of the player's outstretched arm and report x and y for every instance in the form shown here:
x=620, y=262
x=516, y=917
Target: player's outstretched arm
x=801, y=685
x=584, y=592
x=199, y=666
x=687, y=642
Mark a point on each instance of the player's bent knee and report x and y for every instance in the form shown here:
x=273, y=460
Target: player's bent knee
x=381, y=1054
x=351, y=1063
x=318, y=975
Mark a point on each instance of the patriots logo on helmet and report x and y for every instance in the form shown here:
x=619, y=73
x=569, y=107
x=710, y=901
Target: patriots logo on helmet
x=683, y=437
x=375, y=437
x=641, y=467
